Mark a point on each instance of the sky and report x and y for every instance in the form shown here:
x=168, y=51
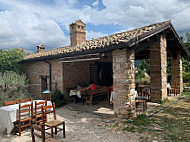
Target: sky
x=28, y=23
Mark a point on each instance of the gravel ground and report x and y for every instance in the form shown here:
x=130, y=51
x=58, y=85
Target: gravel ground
x=80, y=127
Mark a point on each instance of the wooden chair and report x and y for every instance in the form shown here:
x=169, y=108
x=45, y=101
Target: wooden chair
x=25, y=116
x=170, y=91
x=41, y=134
x=175, y=91
x=37, y=112
x=141, y=108
x=53, y=123
x=25, y=100
x=10, y=103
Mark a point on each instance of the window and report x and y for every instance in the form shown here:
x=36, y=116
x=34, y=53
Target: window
x=82, y=27
x=43, y=84
x=79, y=27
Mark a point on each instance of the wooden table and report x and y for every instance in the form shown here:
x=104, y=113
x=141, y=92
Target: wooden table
x=77, y=93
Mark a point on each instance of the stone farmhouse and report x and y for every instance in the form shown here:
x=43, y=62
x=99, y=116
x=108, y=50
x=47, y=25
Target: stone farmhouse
x=107, y=61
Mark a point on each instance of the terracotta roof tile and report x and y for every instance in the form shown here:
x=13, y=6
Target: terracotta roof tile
x=99, y=43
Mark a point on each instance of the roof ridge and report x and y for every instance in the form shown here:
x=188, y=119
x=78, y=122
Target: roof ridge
x=164, y=22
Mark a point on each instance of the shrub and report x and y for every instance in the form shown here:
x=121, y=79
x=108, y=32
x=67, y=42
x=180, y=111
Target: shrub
x=58, y=98
x=9, y=60
x=12, y=86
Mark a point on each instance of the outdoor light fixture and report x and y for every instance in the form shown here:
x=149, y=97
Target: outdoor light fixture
x=47, y=94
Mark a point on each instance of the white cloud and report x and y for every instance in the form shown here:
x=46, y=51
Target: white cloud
x=90, y=35
x=28, y=23
x=96, y=3
x=25, y=27
x=130, y=14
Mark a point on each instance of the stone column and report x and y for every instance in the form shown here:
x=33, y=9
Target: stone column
x=158, y=66
x=176, y=72
x=123, y=82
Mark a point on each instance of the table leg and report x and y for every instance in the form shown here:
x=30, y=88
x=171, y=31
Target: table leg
x=82, y=99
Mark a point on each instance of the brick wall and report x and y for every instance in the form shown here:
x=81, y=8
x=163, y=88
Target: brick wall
x=78, y=73
x=75, y=74
x=65, y=75
x=35, y=69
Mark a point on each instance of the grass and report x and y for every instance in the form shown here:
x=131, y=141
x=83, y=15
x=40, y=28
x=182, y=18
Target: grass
x=141, y=120
x=145, y=79
x=130, y=126
x=176, y=119
x=172, y=123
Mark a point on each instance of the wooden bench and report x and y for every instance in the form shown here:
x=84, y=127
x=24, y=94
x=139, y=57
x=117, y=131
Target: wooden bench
x=91, y=94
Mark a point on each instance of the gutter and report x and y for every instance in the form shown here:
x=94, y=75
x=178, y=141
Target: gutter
x=50, y=75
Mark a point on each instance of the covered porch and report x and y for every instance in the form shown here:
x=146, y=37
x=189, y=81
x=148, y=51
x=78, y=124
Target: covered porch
x=115, y=65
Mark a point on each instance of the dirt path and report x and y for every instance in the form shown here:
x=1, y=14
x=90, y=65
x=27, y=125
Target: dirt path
x=80, y=127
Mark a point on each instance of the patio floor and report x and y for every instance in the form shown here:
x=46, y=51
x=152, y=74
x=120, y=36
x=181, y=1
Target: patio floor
x=81, y=126
x=102, y=108
x=84, y=124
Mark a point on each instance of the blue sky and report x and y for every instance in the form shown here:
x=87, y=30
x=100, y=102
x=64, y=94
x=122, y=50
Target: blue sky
x=29, y=23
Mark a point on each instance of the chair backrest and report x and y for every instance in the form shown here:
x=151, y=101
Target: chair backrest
x=37, y=111
x=25, y=100
x=40, y=129
x=10, y=103
x=48, y=110
x=111, y=88
x=25, y=111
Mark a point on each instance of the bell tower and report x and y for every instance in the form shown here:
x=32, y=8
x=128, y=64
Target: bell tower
x=77, y=32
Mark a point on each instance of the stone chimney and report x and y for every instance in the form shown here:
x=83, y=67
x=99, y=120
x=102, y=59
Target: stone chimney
x=77, y=32
x=20, y=49
x=40, y=48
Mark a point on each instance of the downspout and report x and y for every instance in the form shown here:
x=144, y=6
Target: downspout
x=50, y=75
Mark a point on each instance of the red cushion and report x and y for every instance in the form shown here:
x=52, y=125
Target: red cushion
x=111, y=88
x=93, y=86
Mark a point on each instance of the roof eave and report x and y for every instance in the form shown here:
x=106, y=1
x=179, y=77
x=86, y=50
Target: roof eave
x=186, y=51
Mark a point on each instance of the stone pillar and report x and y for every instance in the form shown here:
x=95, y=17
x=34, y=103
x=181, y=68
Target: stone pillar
x=123, y=82
x=158, y=67
x=176, y=72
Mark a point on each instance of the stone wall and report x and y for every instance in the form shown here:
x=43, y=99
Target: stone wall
x=34, y=70
x=158, y=66
x=176, y=72
x=123, y=82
